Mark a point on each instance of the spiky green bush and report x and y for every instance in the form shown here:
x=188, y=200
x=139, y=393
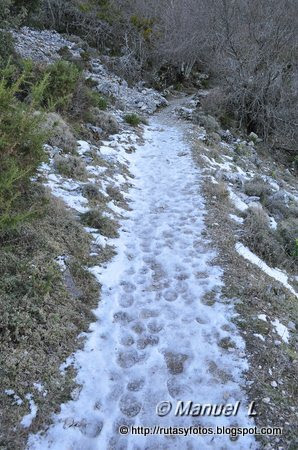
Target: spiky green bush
x=97, y=100
x=63, y=78
x=6, y=41
x=21, y=144
x=132, y=119
x=6, y=47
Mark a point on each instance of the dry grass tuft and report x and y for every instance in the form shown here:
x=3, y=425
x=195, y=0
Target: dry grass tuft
x=94, y=219
x=219, y=190
x=260, y=238
x=60, y=133
x=115, y=194
x=258, y=188
x=94, y=196
x=71, y=167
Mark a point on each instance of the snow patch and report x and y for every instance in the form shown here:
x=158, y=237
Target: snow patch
x=11, y=393
x=28, y=419
x=281, y=330
x=236, y=218
x=40, y=388
x=84, y=147
x=273, y=223
x=236, y=200
x=277, y=274
x=259, y=336
x=60, y=260
x=154, y=289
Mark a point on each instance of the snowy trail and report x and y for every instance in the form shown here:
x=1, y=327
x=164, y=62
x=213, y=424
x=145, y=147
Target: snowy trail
x=160, y=319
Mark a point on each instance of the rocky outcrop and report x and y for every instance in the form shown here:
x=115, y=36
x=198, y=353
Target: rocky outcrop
x=133, y=98
x=40, y=46
x=44, y=47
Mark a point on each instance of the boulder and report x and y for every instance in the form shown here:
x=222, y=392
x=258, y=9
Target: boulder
x=230, y=177
x=184, y=113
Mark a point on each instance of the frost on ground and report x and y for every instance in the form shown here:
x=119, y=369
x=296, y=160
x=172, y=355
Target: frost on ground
x=254, y=185
x=248, y=181
x=28, y=419
x=273, y=273
x=161, y=318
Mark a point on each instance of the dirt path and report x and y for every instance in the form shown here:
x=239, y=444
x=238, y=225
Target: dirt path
x=163, y=331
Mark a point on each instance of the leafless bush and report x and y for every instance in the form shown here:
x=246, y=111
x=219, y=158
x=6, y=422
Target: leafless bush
x=254, y=50
x=257, y=187
x=126, y=66
x=78, y=18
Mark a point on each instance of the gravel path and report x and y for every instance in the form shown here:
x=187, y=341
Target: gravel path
x=160, y=320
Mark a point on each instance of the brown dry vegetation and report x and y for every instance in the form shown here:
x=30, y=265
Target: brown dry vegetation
x=252, y=293
x=71, y=167
x=43, y=312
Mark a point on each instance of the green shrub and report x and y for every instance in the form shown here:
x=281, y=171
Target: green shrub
x=21, y=145
x=295, y=249
x=132, y=119
x=84, y=100
x=28, y=5
x=15, y=12
x=63, y=78
x=6, y=48
x=97, y=100
x=143, y=25
x=7, y=20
